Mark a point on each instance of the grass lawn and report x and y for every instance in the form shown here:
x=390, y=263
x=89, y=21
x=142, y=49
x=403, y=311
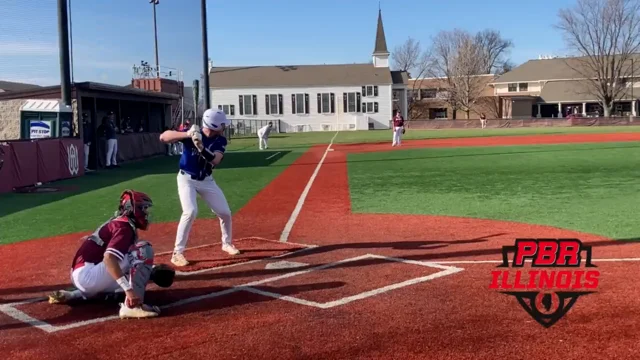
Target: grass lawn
x=242, y=175
x=588, y=187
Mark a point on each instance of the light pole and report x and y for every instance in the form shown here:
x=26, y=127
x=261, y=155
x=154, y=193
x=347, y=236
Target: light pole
x=155, y=33
x=205, y=54
x=63, y=38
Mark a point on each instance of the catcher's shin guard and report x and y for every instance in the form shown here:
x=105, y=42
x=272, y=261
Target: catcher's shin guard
x=141, y=267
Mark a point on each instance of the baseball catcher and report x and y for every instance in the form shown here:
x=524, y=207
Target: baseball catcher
x=113, y=261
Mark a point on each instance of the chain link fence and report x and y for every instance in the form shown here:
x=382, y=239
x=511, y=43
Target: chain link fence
x=245, y=128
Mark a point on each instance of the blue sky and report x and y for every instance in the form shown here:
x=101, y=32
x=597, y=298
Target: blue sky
x=109, y=36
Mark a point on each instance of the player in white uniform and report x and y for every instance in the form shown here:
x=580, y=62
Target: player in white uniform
x=263, y=135
x=203, y=151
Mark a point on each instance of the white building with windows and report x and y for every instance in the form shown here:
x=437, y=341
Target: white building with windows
x=314, y=97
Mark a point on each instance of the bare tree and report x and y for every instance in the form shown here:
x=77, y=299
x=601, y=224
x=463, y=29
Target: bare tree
x=605, y=35
x=493, y=48
x=458, y=60
x=410, y=57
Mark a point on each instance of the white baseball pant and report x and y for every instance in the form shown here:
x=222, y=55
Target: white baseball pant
x=397, y=133
x=263, y=138
x=211, y=193
x=94, y=279
x=87, y=148
x=112, y=152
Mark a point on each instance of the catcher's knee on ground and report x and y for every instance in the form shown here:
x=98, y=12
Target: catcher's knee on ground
x=141, y=267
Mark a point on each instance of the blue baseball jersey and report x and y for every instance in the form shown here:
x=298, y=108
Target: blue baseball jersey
x=195, y=164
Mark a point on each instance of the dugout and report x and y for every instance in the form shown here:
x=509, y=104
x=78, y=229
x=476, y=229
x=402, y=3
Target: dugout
x=140, y=115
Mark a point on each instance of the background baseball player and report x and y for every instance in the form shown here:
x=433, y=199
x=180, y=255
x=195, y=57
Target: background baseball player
x=112, y=259
x=398, y=127
x=203, y=151
x=263, y=135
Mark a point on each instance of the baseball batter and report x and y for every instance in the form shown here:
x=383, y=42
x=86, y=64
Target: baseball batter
x=203, y=151
x=263, y=135
x=113, y=260
x=398, y=128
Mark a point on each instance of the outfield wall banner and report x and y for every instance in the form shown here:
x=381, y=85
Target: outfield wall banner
x=27, y=163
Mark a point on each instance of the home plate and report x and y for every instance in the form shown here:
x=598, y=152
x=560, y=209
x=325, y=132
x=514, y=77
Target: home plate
x=284, y=265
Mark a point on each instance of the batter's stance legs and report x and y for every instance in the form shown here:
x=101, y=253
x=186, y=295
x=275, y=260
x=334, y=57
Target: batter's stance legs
x=215, y=199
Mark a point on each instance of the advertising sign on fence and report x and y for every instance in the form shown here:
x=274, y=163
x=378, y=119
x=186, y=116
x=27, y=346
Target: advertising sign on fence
x=39, y=129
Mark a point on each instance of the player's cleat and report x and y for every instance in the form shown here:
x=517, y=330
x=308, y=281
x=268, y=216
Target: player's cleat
x=140, y=312
x=63, y=296
x=230, y=249
x=179, y=260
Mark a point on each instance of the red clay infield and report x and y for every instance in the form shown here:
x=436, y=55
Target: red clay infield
x=375, y=287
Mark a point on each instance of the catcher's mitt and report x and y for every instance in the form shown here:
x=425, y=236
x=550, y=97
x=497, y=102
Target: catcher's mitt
x=163, y=275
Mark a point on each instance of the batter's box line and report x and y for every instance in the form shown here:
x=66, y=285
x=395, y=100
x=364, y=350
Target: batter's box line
x=444, y=271
x=12, y=311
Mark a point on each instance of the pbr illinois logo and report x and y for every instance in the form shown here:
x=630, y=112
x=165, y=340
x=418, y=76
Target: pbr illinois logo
x=555, y=280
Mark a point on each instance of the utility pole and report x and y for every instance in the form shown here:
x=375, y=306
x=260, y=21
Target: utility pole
x=155, y=33
x=205, y=55
x=63, y=39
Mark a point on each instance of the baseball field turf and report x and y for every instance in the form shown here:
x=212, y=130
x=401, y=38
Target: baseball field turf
x=586, y=187
x=351, y=249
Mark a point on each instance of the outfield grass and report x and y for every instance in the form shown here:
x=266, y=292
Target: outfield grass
x=243, y=174
x=587, y=187
x=296, y=140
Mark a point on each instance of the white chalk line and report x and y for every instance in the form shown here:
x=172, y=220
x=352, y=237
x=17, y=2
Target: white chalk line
x=296, y=211
x=10, y=309
x=272, y=156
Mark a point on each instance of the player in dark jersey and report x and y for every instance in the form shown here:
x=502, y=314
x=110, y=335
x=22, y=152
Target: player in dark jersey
x=114, y=260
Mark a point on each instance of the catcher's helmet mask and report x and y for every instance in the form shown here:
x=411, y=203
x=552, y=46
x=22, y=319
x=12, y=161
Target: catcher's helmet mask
x=137, y=207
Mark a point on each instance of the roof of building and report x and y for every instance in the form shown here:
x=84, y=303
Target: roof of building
x=299, y=75
x=547, y=69
x=310, y=75
x=400, y=77
x=91, y=86
x=16, y=86
x=381, y=41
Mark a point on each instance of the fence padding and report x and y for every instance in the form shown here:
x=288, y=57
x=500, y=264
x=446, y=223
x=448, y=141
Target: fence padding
x=25, y=163
x=48, y=160
x=6, y=168
x=519, y=123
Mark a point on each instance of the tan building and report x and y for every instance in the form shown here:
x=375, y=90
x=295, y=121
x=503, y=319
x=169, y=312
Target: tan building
x=428, y=100
x=548, y=88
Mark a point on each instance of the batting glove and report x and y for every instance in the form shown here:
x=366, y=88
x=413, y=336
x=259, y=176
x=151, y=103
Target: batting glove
x=195, y=129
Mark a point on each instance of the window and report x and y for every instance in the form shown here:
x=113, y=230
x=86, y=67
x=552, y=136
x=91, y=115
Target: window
x=273, y=104
x=248, y=104
x=370, y=90
x=351, y=102
x=326, y=103
x=370, y=107
x=513, y=87
x=228, y=109
x=299, y=103
x=523, y=86
x=428, y=93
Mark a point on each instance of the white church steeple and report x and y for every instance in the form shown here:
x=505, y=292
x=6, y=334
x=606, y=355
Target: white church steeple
x=380, y=52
